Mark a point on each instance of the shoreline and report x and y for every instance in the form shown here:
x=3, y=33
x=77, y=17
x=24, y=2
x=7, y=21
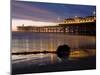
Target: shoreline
x=82, y=34
x=72, y=52
x=87, y=63
x=37, y=52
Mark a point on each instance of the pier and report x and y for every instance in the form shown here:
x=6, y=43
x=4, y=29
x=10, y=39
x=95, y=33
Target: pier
x=77, y=25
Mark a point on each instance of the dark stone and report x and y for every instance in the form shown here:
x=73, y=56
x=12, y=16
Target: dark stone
x=63, y=51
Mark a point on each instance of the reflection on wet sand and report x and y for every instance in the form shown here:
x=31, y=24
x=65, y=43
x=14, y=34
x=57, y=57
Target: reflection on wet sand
x=38, y=51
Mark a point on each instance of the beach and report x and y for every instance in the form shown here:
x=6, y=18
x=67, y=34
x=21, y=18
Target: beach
x=77, y=60
x=29, y=67
x=36, y=52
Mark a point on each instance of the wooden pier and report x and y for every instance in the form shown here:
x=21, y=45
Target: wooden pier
x=75, y=25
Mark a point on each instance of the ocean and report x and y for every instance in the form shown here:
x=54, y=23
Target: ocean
x=81, y=46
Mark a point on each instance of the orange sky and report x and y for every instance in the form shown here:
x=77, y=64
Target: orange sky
x=17, y=22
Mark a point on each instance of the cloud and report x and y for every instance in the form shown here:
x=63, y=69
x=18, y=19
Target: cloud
x=31, y=13
x=28, y=11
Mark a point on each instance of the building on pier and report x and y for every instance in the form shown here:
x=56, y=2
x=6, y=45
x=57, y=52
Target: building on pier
x=80, y=19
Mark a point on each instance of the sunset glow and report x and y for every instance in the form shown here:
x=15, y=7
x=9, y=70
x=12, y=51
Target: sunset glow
x=45, y=14
x=17, y=22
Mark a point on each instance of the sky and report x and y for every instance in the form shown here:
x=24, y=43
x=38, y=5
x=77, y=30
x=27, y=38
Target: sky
x=44, y=14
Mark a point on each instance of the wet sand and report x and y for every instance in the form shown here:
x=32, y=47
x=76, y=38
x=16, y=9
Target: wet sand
x=70, y=65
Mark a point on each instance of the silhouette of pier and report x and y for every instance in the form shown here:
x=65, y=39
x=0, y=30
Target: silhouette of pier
x=77, y=25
